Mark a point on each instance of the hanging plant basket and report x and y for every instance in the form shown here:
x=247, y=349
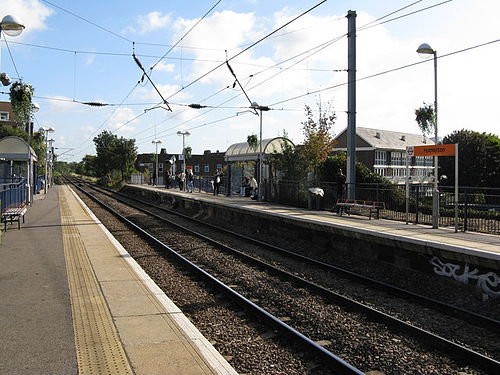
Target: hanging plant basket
x=20, y=99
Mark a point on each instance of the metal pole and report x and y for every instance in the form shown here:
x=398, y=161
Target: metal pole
x=46, y=160
x=407, y=195
x=456, y=187
x=156, y=169
x=351, y=105
x=435, y=193
x=259, y=195
x=183, y=155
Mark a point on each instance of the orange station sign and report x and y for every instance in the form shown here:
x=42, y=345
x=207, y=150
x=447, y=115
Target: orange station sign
x=433, y=150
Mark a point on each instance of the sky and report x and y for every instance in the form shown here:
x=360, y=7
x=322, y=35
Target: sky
x=76, y=52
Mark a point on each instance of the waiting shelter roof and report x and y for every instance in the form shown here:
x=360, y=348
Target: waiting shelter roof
x=15, y=148
x=243, y=151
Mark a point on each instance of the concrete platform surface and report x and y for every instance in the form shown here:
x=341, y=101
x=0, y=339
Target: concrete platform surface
x=73, y=301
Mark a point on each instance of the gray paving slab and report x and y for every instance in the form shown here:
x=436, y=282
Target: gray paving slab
x=35, y=312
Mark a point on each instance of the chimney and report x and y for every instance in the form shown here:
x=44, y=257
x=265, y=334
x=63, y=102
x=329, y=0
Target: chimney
x=377, y=135
x=403, y=138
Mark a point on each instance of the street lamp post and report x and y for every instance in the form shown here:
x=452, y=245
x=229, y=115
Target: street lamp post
x=156, y=142
x=260, y=108
x=184, y=134
x=47, y=131
x=51, y=161
x=12, y=26
x=426, y=49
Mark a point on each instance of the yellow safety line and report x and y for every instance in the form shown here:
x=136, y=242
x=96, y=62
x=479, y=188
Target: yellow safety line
x=98, y=348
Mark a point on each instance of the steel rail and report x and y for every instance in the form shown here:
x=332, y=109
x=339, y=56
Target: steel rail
x=430, y=338
x=469, y=316
x=335, y=362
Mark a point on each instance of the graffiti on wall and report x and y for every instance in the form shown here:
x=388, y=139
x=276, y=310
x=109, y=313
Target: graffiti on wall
x=487, y=283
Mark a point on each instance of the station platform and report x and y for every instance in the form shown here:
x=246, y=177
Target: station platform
x=72, y=301
x=468, y=247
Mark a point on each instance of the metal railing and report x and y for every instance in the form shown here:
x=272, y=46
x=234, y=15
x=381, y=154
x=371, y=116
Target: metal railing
x=13, y=193
x=478, y=208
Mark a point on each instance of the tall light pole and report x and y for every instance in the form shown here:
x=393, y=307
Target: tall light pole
x=260, y=108
x=426, y=49
x=156, y=142
x=184, y=134
x=47, y=131
x=12, y=26
x=51, y=160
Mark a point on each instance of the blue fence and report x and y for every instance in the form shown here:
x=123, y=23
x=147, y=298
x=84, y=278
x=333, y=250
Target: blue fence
x=13, y=193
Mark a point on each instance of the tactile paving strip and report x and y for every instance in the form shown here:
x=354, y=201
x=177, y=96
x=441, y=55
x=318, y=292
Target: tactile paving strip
x=98, y=349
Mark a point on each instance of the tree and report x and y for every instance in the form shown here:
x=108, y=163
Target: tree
x=289, y=162
x=426, y=119
x=114, y=154
x=318, y=141
x=478, y=159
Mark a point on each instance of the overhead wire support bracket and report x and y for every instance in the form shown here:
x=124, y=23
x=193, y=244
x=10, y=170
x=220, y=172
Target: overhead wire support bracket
x=239, y=84
x=150, y=80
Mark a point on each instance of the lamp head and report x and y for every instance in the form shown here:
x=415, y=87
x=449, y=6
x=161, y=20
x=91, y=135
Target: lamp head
x=425, y=49
x=35, y=107
x=5, y=79
x=11, y=25
x=51, y=129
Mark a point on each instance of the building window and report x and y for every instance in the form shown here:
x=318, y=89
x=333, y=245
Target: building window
x=381, y=171
x=196, y=169
x=420, y=161
x=219, y=166
x=396, y=158
x=429, y=161
x=4, y=116
x=160, y=167
x=380, y=158
x=206, y=169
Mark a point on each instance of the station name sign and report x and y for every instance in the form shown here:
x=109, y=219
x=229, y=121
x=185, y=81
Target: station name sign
x=433, y=150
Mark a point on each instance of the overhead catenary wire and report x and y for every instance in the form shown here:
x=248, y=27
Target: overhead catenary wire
x=88, y=21
x=185, y=34
x=386, y=72
x=10, y=54
x=342, y=84
x=247, y=48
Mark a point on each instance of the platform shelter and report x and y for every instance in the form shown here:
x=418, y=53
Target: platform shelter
x=17, y=163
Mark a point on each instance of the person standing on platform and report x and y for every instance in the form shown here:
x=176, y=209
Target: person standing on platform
x=167, y=180
x=254, y=187
x=190, y=180
x=340, y=180
x=182, y=180
x=217, y=181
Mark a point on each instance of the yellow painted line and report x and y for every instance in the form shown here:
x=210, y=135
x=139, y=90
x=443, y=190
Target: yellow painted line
x=98, y=348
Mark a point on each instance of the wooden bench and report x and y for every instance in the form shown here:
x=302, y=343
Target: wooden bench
x=343, y=205
x=14, y=212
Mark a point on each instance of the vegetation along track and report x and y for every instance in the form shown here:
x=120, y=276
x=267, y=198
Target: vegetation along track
x=366, y=339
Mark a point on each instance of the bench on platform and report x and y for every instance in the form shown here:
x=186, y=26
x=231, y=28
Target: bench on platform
x=14, y=212
x=343, y=205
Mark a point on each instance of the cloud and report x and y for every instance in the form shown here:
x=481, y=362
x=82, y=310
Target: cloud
x=162, y=67
x=150, y=22
x=33, y=14
x=62, y=104
x=121, y=120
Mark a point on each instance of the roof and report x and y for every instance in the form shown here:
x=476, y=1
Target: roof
x=15, y=148
x=390, y=140
x=243, y=152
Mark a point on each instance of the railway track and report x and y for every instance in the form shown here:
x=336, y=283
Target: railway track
x=382, y=320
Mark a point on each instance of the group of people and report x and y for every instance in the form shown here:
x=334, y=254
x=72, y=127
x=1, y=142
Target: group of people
x=250, y=187
x=184, y=180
